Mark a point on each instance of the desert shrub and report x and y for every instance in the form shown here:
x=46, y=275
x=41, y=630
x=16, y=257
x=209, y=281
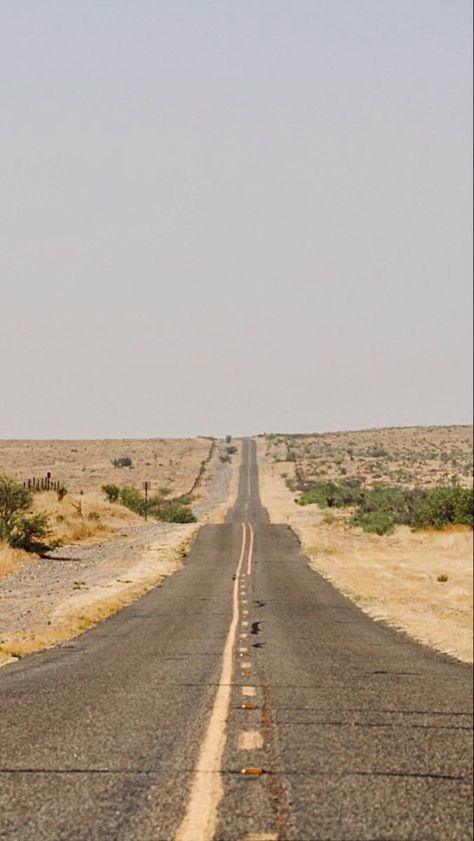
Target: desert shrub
x=14, y=499
x=435, y=508
x=444, y=506
x=225, y=458
x=231, y=450
x=168, y=510
x=228, y=439
x=93, y=515
x=124, y=461
x=61, y=492
x=185, y=499
x=330, y=495
x=112, y=492
x=28, y=533
x=386, y=499
x=133, y=498
x=175, y=512
x=375, y=522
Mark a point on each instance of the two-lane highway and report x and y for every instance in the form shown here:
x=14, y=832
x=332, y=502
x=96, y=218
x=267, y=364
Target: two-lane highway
x=245, y=698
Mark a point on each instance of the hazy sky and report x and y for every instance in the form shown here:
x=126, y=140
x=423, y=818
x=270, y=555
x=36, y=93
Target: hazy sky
x=234, y=217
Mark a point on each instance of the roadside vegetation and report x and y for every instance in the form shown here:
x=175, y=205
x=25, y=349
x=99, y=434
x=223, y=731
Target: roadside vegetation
x=175, y=510
x=18, y=528
x=418, y=477
x=379, y=509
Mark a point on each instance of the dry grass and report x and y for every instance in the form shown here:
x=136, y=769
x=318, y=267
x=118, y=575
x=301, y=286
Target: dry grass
x=87, y=465
x=394, y=577
x=404, y=457
x=11, y=559
x=84, y=518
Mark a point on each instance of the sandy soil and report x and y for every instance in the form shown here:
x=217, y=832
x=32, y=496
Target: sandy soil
x=87, y=465
x=394, y=577
x=49, y=600
x=398, y=456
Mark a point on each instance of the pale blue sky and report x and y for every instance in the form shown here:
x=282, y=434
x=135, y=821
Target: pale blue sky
x=234, y=216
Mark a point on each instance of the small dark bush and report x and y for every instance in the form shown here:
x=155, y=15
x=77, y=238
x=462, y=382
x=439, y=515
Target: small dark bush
x=61, y=492
x=124, y=461
x=112, y=492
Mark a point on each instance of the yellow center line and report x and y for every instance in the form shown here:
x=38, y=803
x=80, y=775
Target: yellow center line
x=250, y=555
x=200, y=817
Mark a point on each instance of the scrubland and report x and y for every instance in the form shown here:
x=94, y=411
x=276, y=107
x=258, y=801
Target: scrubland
x=417, y=580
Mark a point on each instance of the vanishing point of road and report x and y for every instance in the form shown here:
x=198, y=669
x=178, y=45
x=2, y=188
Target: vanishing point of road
x=244, y=698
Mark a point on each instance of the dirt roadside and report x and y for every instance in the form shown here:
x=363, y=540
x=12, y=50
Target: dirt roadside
x=392, y=577
x=50, y=600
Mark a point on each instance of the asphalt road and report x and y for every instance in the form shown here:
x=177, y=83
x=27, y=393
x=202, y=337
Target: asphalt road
x=244, y=660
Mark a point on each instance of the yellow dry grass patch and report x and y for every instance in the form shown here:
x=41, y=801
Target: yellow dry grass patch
x=11, y=559
x=89, y=517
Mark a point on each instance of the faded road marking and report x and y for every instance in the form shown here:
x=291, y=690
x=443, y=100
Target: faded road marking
x=250, y=740
x=260, y=836
x=249, y=691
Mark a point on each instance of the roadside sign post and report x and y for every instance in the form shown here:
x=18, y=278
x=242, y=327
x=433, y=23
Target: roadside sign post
x=146, y=485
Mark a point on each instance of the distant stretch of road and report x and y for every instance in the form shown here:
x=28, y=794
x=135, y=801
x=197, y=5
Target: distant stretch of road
x=245, y=698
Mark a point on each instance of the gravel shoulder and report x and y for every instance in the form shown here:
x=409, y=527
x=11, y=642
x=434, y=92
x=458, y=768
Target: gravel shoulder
x=52, y=599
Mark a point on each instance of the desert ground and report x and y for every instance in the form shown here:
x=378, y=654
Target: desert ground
x=396, y=456
x=107, y=560
x=392, y=577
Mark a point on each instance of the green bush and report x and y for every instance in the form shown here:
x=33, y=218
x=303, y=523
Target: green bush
x=434, y=508
x=28, y=533
x=133, y=498
x=175, y=512
x=375, y=522
x=330, y=495
x=444, y=506
x=167, y=510
x=14, y=499
x=16, y=528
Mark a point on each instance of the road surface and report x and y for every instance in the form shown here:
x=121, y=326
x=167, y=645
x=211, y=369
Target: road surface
x=245, y=698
